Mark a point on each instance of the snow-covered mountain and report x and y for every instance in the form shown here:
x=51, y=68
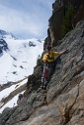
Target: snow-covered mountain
x=17, y=59
x=4, y=34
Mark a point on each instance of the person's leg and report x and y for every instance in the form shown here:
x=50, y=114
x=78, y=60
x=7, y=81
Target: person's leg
x=44, y=77
x=50, y=72
x=43, y=74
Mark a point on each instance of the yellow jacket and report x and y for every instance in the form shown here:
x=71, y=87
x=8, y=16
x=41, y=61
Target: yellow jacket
x=49, y=56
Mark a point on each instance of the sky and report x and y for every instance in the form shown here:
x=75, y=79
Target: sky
x=25, y=18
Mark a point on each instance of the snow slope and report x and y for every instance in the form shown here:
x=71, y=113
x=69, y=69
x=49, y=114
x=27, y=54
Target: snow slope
x=6, y=92
x=19, y=61
x=16, y=64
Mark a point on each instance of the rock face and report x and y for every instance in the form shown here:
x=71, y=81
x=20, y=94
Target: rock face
x=63, y=101
x=3, y=46
x=59, y=9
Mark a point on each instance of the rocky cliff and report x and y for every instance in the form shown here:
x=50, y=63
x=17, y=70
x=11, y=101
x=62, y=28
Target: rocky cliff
x=63, y=101
x=59, y=11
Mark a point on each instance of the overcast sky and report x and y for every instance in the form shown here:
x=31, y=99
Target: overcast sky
x=25, y=18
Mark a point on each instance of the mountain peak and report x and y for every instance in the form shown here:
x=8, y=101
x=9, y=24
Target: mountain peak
x=4, y=34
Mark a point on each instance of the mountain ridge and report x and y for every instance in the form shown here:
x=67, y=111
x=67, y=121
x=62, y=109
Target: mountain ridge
x=3, y=34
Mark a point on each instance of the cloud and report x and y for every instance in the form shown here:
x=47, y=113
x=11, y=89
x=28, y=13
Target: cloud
x=26, y=19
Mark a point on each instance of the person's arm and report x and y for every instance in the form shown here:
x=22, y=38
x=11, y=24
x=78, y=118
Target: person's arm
x=59, y=53
x=44, y=59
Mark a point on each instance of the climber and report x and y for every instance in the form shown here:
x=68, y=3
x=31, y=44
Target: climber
x=19, y=99
x=49, y=64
